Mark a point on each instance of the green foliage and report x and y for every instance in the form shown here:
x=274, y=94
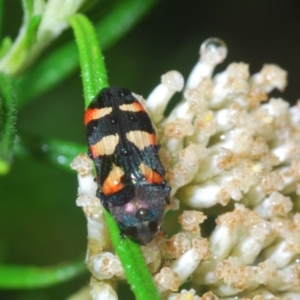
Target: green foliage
x=91, y=59
x=13, y=277
x=7, y=122
x=17, y=55
x=64, y=60
x=133, y=263
x=22, y=78
x=94, y=79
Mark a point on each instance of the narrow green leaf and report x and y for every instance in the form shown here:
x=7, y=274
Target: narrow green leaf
x=19, y=55
x=46, y=74
x=91, y=60
x=7, y=122
x=16, y=58
x=62, y=62
x=5, y=45
x=123, y=18
x=29, y=277
x=55, y=152
x=133, y=263
x=28, y=6
x=32, y=28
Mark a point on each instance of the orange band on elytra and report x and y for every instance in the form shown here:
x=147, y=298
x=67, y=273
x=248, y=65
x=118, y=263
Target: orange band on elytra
x=133, y=107
x=96, y=113
x=150, y=175
x=113, y=183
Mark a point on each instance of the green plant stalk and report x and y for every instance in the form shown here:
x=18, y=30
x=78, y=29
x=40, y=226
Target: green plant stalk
x=29, y=277
x=5, y=45
x=61, y=63
x=19, y=52
x=129, y=252
x=43, y=22
x=133, y=263
x=7, y=122
x=91, y=60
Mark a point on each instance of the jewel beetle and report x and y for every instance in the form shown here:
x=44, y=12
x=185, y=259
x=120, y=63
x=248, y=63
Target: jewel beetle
x=130, y=177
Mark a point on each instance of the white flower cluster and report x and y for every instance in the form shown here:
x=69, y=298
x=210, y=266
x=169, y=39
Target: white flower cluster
x=234, y=153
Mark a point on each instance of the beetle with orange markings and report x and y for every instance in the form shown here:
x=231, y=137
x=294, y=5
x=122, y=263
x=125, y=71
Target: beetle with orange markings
x=130, y=177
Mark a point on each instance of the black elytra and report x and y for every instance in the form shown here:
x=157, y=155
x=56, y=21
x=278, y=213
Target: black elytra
x=130, y=175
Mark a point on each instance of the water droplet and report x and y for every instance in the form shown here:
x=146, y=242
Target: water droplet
x=61, y=159
x=173, y=80
x=213, y=51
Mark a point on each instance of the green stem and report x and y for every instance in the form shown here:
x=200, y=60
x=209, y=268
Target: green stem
x=91, y=60
x=18, y=54
x=133, y=263
x=7, y=122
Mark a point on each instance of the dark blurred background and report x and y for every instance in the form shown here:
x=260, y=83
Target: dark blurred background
x=39, y=222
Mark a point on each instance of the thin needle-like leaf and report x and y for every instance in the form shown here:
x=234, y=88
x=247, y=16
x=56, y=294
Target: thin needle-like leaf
x=29, y=277
x=91, y=60
x=58, y=153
